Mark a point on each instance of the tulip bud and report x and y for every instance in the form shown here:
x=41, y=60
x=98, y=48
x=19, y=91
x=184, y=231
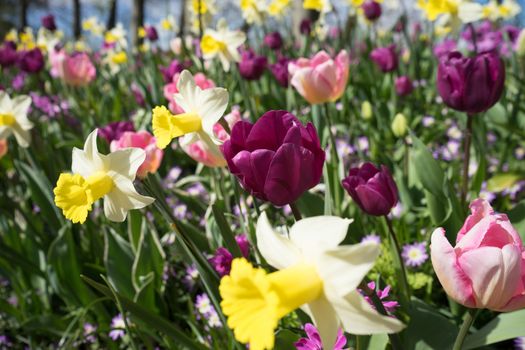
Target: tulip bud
x=273, y=40
x=486, y=268
x=252, y=66
x=399, y=125
x=373, y=189
x=520, y=44
x=385, y=58
x=31, y=61
x=366, y=110
x=277, y=158
x=470, y=84
x=48, y=22
x=372, y=10
x=151, y=33
x=403, y=86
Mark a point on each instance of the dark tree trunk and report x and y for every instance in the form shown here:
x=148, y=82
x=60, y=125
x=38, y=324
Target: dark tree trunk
x=76, y=19
x=24, y=4
x=137, y=20
x=182, y=18
x=112, y=19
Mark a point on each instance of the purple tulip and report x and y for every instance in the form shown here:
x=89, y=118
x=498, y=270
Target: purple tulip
x=404, y=86
x=305, y=27
x=373, y=189
x=222, y=259
x=385, y=58
x=277, y=158
x=31, y=61
x=372, y=10
x=445, y=47
x=169, y=71
x=470, y=84
x=273, y=40
x=8, y=54
x=114, y=130
x=280, y=71
x=151, y=33
x=252, y=66
x=48, y=22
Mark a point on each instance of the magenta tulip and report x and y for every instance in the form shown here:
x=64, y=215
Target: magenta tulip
x=277, y=158
x=385, y=58
x=486, y=268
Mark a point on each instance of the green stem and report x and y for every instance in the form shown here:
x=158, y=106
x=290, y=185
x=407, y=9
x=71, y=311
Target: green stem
x=403, y=275
x=466, y=159
x=470, y=316
x=295, y=210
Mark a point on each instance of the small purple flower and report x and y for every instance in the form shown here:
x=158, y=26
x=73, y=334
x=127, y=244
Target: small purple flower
x=519, y=343
x=90, y=333
x=118, y=327
x=222, y=259
x=114, y=130
x=313, y=340
x=191, y=277
x=390, y=305
x=415, y=254
x=5, y=342
x=203, y=304
x=19, y=81
x=371, y=238
x=244, y=244
x=180, y=211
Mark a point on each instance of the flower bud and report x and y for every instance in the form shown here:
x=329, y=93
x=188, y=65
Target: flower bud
x=399, y=125
x=403, y=86
x=372, y=10
x=366, y=110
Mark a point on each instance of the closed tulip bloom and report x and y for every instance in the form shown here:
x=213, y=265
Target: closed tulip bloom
x=371, y=10
x=373, y=189
x=8, y=54
x=252, y=66
x=277, y=158
x=48, y=22
x=280, y=71
x=146, y=141
x=273, y=40
x=385, y=58
x=470, y=84
x=403, y=86
x=486, y=268
x=31, y=61
x=151, y=33
x=77, y=69
x=114, y=130
x=320, y=79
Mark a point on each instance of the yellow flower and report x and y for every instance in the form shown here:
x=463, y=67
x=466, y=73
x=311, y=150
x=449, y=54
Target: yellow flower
x=277, y=7
x=12, y=35
x=119, y=57
x=434, y=8
x=13, y=118
x=252, y=10
x=222, y=43
x=316, y=5
x=203, y=6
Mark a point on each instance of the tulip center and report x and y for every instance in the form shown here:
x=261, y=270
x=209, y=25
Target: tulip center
x=7, y=119
x=167, y=126
x=75, y=195
x=255, y=301
x=210, y=45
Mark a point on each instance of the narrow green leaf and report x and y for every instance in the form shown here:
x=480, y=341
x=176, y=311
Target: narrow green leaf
x=118, y=257
x=504, y=326
x=226, y=232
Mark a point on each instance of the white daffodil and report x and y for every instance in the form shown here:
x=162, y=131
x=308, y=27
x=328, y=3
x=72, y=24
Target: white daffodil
x=13, y=118
x=222, y=43
x=253, y=11
x=202, y=109
x=493, y=11
x=323, y=6
x=116, y=35
x=314, y=273
x=96, y=176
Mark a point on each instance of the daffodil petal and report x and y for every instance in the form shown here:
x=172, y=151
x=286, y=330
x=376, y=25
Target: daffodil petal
x=325, y=319
x=126, y=161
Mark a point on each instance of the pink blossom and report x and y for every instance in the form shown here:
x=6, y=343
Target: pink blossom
x=3, y=148
x=145, y=141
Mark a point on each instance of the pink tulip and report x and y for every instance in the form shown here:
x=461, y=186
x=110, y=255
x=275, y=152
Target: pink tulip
x=77, y=69
x=146, y=141
x=321, y=78
x=200, y=151
x=55, y=59
x=3, y=148
x=486, y=268
x=171, y=89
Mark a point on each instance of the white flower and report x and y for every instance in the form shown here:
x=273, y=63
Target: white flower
x=253, y=10
x=314, y=273
x=13, y=118
x=100, y=176
x=202, y=109
x=222, y=43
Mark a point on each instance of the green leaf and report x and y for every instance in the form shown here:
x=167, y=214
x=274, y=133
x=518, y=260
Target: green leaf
x=428, y=171
x=311, y=204
x=428, y=329
x=504, y=326
x=377, y=342
x=226, y=232
x=500, y=182
x=285, y=339
x=135, y=226
x=118, y=257
x=517, y=218
x=155, y=321
x=149, y=259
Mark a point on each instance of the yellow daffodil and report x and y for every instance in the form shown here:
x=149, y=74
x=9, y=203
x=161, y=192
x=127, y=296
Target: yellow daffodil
x=93, y=26
x=323, y=6
x=253, y=10
x=96, y=176
x=314, y=273
x=276, y=8
x=13, y=118
x=202, y=109
x=116, y=35
x=12, y=35
x=222, y=43
x=493, y=11
x=168, y=23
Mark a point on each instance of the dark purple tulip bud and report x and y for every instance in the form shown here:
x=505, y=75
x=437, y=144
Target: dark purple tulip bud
x=372, y=10
x=470, y=84
x=252, y=66
x=280, y=71
x=385, y=58
x=244, y=244
x=48, y=22
x=305, y=27
x=404, y=86
x=277, y=158
x=373, y=189
x=169, y=71
x=8, y=54
x=273, y=40
x=31, y=61
x=222, y=259
x=114, y=130
x=151, y=33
